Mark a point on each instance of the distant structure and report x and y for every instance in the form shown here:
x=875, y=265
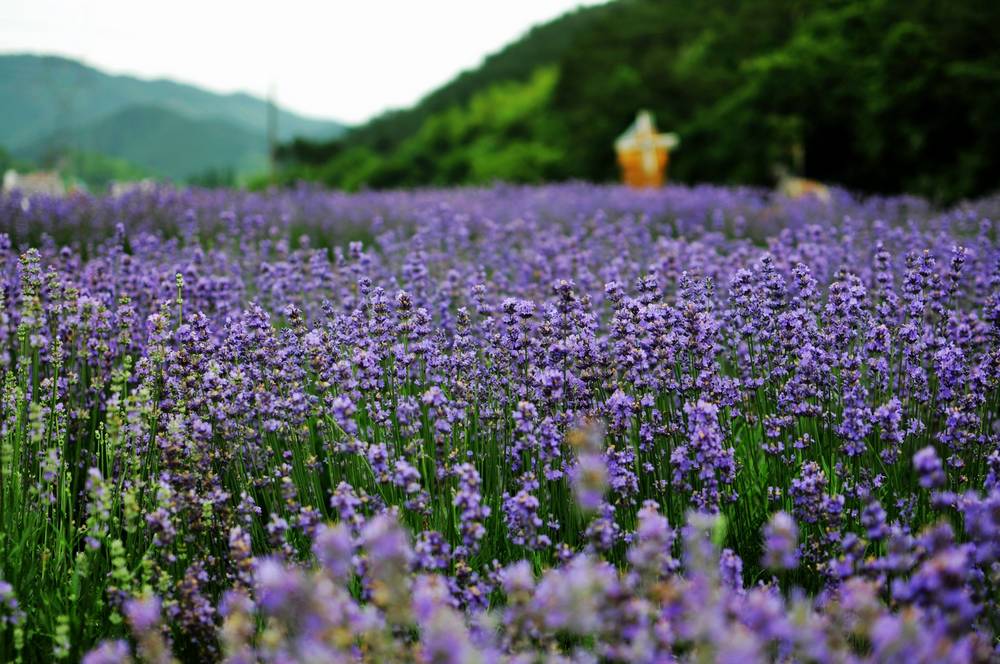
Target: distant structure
x=39, y=182
x=795, y=187
x=643, y=153
x=144, y=186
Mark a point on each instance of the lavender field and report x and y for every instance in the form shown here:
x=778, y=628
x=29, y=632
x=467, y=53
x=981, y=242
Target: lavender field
x=567, y=423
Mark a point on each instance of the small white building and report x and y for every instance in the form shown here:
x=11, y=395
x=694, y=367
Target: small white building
x=144, y=186
x=38, y=182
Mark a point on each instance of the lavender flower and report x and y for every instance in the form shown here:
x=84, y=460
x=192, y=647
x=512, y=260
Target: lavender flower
x=650, y=553
x=109, y=652
x=704, y=465
x=523, y=521
x=929, y=468
x=781, y=543
x=472, y=512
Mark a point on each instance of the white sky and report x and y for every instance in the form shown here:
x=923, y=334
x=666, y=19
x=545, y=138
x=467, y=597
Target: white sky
x=335, y=59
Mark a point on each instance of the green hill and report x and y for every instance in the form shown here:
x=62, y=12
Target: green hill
x=161, y=142
x=877, y=95
x=56, y=103
x=43, y=94
x=541, y=46
x=502, y=133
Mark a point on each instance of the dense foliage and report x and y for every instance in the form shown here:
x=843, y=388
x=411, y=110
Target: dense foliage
x=877, y=95
x=503, y=424
x=503, y=133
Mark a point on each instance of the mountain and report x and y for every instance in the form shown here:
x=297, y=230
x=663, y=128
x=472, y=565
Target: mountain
x=54, y=101
x=880, y=96
x=162, y=142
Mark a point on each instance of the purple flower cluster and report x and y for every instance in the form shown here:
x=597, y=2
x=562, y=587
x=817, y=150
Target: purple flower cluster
x=308, y=613
x=509, y=424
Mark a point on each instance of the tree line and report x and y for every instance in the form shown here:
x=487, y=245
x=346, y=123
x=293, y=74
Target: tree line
x=875, y=95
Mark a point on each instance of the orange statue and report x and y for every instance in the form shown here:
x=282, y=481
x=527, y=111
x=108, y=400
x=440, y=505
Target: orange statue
x=643, y=153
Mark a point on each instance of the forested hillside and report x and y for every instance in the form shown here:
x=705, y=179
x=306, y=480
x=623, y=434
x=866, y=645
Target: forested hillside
x=875, y=95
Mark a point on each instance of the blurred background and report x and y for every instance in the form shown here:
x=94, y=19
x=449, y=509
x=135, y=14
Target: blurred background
x=878, y=96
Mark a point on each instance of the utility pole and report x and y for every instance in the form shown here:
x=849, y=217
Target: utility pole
x=272, y=131
x=57, y=76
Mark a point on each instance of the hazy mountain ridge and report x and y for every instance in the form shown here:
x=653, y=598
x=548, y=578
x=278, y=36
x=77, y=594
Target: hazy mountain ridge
x=162, y=142
x=52, y=103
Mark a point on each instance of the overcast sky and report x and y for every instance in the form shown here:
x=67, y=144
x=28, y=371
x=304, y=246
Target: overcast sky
x=334, y=59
